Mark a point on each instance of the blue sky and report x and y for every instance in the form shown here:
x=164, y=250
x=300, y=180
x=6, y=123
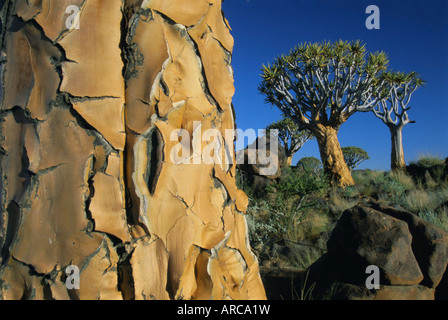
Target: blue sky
x=413, y=33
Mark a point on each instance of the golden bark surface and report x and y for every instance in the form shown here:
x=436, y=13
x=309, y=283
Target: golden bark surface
x=88, y=178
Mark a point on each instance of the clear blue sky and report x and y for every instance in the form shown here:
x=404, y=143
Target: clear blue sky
x=414, y=34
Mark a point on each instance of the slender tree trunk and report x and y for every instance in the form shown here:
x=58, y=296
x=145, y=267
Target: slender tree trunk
x=332, y=156
x=89, y=194
x=397, y=155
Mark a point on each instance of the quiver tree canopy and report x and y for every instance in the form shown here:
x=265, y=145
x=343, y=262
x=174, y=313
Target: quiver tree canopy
x=393, y=105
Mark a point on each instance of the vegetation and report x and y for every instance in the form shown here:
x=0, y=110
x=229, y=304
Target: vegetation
x=290, y=136
x=310, y=164
x=290, y=224
x=354, y=156
x=427, y=160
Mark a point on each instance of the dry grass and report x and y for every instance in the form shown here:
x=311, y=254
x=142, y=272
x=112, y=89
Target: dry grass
x=420, y=200
x=309, y=226
x=338, y=203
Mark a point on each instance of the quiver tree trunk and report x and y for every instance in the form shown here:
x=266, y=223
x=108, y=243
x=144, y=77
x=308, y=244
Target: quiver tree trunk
x=332, y=156
x=86, y=139
x=397, y=155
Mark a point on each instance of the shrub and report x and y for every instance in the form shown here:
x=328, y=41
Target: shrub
x=436, y=217
x=389, y=187
x=310, y=164
x=297, y=182
x=421, y=200
x=383, y=185
x=309, y=227
x=351, y=192
x=428, y=160
x=417, y=201
x=264, y=231
x=339, y=203
x=403, y=179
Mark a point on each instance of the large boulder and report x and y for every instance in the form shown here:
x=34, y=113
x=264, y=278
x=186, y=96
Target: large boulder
x=262, y=167
x=254, y=163
x=411, y=255
x=429, y=244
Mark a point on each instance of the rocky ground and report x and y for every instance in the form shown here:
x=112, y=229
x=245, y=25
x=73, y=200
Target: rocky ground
x=378, y=224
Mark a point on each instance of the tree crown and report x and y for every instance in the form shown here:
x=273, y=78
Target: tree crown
x=395, y=96
x=354, y=156
x=323, y=82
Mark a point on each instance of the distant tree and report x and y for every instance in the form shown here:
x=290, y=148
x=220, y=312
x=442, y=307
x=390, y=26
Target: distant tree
x=319, y=86
x=393, y=108
x=310, y=164
x=290, y=136
x=354, y=156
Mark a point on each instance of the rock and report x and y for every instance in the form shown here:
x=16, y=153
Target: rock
x=442, y=288
x=429, y=244
x=364, y=237
x=283, y=284
x=345, y=291
x=254, y=166
x=411, y=254
x=255, y=176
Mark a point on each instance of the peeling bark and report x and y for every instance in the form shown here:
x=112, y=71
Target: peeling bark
x=86, y=174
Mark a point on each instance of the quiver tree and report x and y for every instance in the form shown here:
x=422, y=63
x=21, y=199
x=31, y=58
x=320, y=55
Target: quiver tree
x=320, y=86
x=354, y=156
x=87, y=181
x=392, y=108
x=290, y=136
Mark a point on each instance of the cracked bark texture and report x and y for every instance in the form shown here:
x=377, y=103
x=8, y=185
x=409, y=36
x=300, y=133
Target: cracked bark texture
x=86, y=173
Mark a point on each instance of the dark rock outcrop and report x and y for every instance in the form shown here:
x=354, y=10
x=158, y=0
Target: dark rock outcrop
x=411, y=254
x=421, y=173
x=252, y=168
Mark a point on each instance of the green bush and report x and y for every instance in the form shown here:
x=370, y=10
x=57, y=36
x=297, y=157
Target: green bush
x=383, y=185
x=264, y=231
x=310, y=164
x=428, y=160
x=298, y=182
